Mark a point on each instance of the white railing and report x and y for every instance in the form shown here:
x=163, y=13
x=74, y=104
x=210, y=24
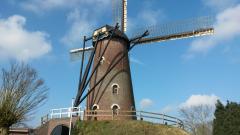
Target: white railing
x=109, y=114
x=63, y=113
x=157, y=118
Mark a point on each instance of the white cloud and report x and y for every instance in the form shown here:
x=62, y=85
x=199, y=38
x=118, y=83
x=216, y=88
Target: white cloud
x=148, y=16
x=145, y=103
x=168, y=109
x=81, y=25
x=219, y=4
x=136, y=61
x=84, y=19
x=18, y=43
x=197, y=100
x=151, y=16
x=226, y=28
x=40, y=6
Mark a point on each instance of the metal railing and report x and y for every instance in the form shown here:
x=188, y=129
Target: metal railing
x=62, y=113
x=110, y=114
x=137, y=115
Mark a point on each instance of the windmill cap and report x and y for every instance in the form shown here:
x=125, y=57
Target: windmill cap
x=106, y=31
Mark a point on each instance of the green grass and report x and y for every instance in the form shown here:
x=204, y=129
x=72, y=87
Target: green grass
x=124, y=128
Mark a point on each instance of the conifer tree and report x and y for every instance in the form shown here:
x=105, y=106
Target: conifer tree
x=227, y=119
x=219, y=119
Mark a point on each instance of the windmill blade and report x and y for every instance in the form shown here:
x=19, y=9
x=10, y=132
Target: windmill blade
x=120, y=14
x=76, y=54
x=184, y=29
x=124, y=16
x=195, y=33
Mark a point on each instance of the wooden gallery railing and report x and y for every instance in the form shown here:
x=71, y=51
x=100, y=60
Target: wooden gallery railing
x=113, y=115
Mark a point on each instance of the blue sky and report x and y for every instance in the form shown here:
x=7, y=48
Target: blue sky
x=165, y=75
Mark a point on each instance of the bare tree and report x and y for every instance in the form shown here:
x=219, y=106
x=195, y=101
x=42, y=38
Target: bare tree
x=198, y=119
x=21, y=92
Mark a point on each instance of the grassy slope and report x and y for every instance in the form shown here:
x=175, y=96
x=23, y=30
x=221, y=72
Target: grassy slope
x=124, y=128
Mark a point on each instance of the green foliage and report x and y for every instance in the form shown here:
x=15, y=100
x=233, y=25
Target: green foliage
x=227, y=119
x=124, y=128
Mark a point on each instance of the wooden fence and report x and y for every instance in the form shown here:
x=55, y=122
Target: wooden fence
x=110, y=114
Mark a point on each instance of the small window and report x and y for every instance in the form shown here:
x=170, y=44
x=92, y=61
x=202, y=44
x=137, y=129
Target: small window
x=95, y=107
x=115, y=109
x=115, y=89
x=102, y=60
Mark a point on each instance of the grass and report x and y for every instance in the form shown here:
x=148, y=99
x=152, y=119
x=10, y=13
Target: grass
x=124, y=128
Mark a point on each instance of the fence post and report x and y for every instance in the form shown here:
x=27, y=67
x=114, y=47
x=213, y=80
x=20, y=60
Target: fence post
x=112, y=115
x=141, y=118
x=163, y=118
x=79, y=112
x=68, y=113
x=41, y=120
x=51, y=114
x=181, y=124
x=60, y=113
x=84, y=111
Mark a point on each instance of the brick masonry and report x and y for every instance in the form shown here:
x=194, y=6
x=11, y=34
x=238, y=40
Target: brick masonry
x=48, y=127
x=103, y=96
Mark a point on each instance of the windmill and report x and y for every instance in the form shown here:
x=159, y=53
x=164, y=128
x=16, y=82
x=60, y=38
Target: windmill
x=105, y=81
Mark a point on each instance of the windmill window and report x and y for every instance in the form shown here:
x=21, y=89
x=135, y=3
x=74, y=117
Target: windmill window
x=115, y=109
x=95, y=107
x=102, y=60
x=115, y=89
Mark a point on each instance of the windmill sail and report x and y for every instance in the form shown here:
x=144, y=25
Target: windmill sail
x=124, y=16
x=76, y=54
x=178, y=30
x=120, y=14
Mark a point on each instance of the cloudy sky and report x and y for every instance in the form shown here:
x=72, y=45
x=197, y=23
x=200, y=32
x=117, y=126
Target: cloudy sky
x=165, y=75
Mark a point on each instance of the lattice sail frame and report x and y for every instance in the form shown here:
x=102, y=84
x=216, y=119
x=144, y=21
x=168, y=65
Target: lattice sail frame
x=76, y=54
x=177, y=30
x=124, y=18
x=119, y=9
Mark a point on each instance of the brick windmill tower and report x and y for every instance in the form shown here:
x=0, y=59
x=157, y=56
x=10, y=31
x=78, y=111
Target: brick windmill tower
x=105, y=78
